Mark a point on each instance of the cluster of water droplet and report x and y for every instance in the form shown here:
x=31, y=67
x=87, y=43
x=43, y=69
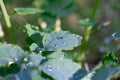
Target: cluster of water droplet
x=16, y=59
x=38, y=49
x=62, y=56
x=49, y=68
x=27, y=62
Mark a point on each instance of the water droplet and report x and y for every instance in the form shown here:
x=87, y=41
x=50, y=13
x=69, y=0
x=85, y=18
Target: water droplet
x=64, y=42
x=17, y=77
x=25, y=59
x=16, y=59
x=49, y=68
x=60, y=37
x=29, y=64
x=62, y=55
x=38, y=49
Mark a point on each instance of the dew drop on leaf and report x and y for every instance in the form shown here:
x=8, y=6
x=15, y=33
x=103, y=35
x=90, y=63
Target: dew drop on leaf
x=25, y=59
x=38, y=49
x=64, y=42
x=16, y=59
x=59, y=38
x=49, y=68
x=16, y=77
x=30, y=64
x=62, y=55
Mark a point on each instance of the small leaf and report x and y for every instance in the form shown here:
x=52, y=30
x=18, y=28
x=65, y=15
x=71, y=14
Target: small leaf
x=86, y=22
x=116, y=35
x=106, y=73
x=79, y=75
x=37, y=38
x=88, y=76
x=31, y=29
x=33, y=46
x=110, y=59
x=63, y=40
x=34, y=34
x=97, y=26
x=26, y=11
x=10, y=53
x=57, y=68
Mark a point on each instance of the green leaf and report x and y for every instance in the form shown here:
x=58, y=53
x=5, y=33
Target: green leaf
x=22, y=75
x=31, y=29
x=34, y=33
x=63, y=40
x=79, y=75
x=97, y=26
x=26, y=11
x=106, y=73
x=33, y=46
x=110, y=59
x=56, y=55
x=37, y=38
x=60, y=8
x=88, y=76
x=116, y=35
x=86, y=22
x=26, y=74
x=35, y=59
x=10, y=53
x=60, y=69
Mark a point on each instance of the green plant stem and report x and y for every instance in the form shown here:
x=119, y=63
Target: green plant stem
x=84, y=44
x=8, y=23
x=95, y=9
x=86, y=37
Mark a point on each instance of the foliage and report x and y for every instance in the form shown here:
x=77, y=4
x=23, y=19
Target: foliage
x=45, y=57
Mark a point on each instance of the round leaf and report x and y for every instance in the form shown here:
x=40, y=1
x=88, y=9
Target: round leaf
x=63, y=40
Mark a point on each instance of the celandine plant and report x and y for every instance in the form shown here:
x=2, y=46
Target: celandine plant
x=46, y=59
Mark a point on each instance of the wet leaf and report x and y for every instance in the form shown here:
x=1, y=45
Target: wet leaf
x=57, y=66
x=63, y=40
